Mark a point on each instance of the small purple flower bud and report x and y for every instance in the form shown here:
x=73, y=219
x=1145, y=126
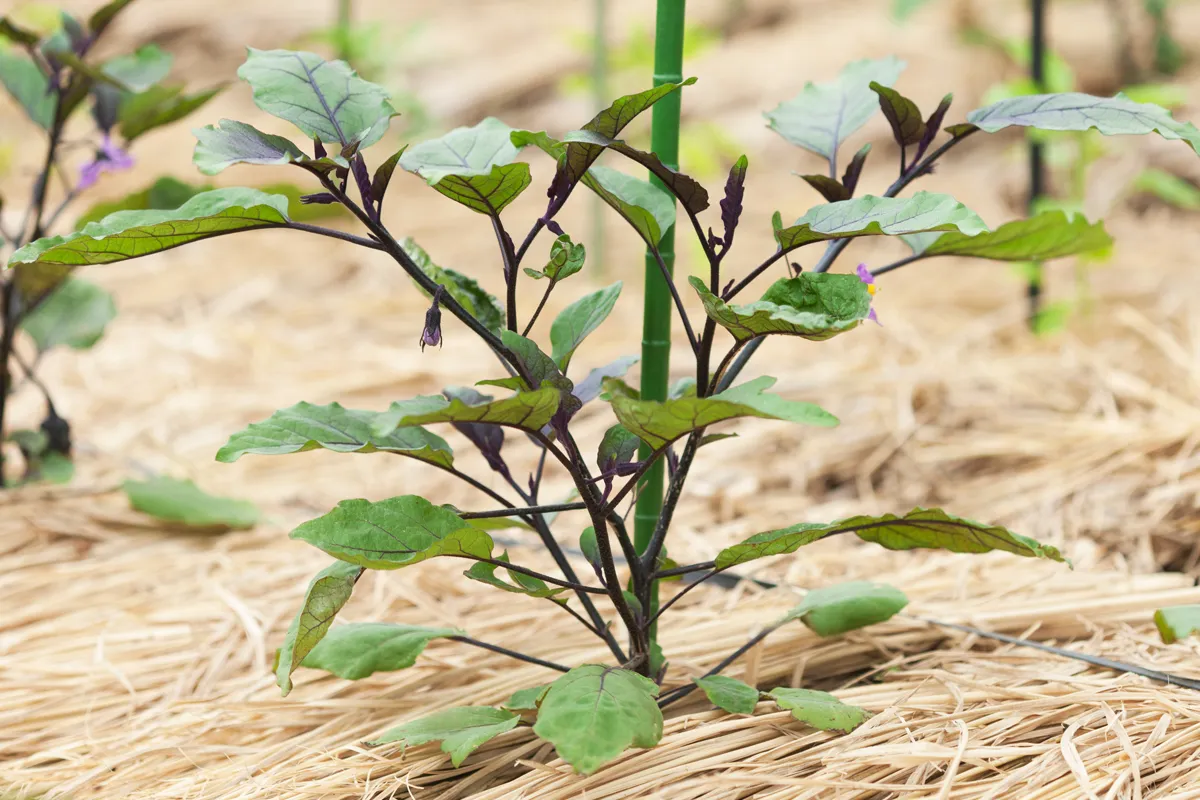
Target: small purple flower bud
x=109, y=158
x=320, y=198
x=432, y=333
x=554, y=227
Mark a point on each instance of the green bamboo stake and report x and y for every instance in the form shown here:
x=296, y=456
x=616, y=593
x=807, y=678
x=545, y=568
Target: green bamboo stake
x=656, y=320
x=601, y=98
x=345, y=18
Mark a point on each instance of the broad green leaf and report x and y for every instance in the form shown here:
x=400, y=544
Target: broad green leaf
x=132, y=234
x=875, y=216
x=1052, y=234
x=358, y=650
x=844, y=607
x=526, y=699
x=218, y=148
x=648, y=209
x=75, y=315
x=578, y=320
x=28, y=86
x=729, y=694
x=305, y=426
x=1177, y=622
x=815, y=306
x=159, y=106
x=393, y=533
x=823, y=115
x=141, y=69
x=566, y=258
x=165, y=193
x=460, y=730
x=920, y=528
x=497, y=523
x=579, y=156
x=324, y=99
x=472, y=166
x=594, y=713
x=908, y=127
x=327, y=593
x=660, y=423
x=185, y=503
x=521, y=584
x=819, y=710
x=541, y=367
x=617, y=447
x=1073, y=111
x=469, y=294
x=528, y=411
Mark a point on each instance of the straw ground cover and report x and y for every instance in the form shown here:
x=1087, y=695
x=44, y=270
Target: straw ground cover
x=1111, y=406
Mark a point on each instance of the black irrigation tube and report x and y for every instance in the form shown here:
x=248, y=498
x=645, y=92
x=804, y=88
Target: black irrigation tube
x=728, y=580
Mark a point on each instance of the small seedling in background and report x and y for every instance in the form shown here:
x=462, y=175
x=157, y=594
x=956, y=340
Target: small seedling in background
x=593, y=712
x=184, y=503
x=47, y=66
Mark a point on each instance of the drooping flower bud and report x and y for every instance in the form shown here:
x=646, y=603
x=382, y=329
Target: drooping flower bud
x=432, y=332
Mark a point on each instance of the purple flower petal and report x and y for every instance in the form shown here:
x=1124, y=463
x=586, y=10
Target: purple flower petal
x=109, y=158
x=872, y=316
x=864, y=274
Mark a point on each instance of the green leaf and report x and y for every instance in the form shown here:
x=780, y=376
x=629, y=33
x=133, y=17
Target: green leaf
x=159, y=106
x=56, y=468
x=844, y=607
x=541, y=367
x=578, y=320
x=495, y=523
x=522, y=584
x=903, y=9
x=184, y=502
x=887, y=216
x=819, y=710
x=460, y=730
x=218, y=148
x=358, y=650
x=165, y=193
x=17, y=34
x=472, y=166
x=305, y=426
x=566, y=258
x=830, y=188
x=920, y=528
x=324, y=99
x=660, y=423
x=729, y=694
x=1073, y=111
x=617, y=446
x=28, y=86
x=814, y=306
x=1177, y=622
x=141, y=69
x=648, y=209
x=75, y=315
x=1171, y=189
x=393, y=533
x=1052, y=234
x=469, y=294
x=588, y=546
x=594, y=713
x=908, y=127
x=686, y=189
x=529, y=411
x=579, y=156
x=526, y=699
x=327, y=593
x=104, y=15
x=132, y=234
x=824, y=115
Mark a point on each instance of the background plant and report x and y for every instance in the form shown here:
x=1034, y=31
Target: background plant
x=48, y=66
x=593, y=712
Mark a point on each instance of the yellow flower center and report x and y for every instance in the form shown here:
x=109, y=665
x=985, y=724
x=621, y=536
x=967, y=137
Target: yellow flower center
x=872, y=288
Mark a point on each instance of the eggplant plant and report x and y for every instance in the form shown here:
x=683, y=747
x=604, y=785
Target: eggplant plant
x=592, y=712
x=52, y=74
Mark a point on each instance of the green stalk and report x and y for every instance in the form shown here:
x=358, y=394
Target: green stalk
x=1037, y=167
x=656, y=323
x=345, y=15
x=601, y=98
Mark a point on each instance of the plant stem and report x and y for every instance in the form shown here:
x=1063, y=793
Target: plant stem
x=898, y=264
x=495, y=648
x=573, y=585
x=600, y=101
x=8, y=310
x=656, y=321
x=679, y=596
x=513, y=512
x=370, y=244
x=668, y=278
x=344, y=19
x=683, y=691
x=509, y=258
x=1037, y=168
x=686, y=570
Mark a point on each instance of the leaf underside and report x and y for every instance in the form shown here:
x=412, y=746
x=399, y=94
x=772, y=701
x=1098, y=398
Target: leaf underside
x=327, y=593
x=460, y=730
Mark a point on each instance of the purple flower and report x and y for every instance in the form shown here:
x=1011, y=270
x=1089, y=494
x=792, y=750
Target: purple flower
x=866, y=277
x=109, y=158
x=432, y=333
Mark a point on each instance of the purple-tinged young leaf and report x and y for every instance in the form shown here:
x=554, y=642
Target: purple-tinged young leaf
x=854, y=168
x=104, y=16
x=689, y=192
x=319, y=150
x=431, y=334
x=961, y=129
x=830, y=188
x=106, y=106
x=383, y=176
x=731, y=203
x=233, y=142
x=109, y=158
x=489, y=439
x=902, y=114
x=325, y=99
x=618, y=447
x=932, y=125
x=320, y=198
